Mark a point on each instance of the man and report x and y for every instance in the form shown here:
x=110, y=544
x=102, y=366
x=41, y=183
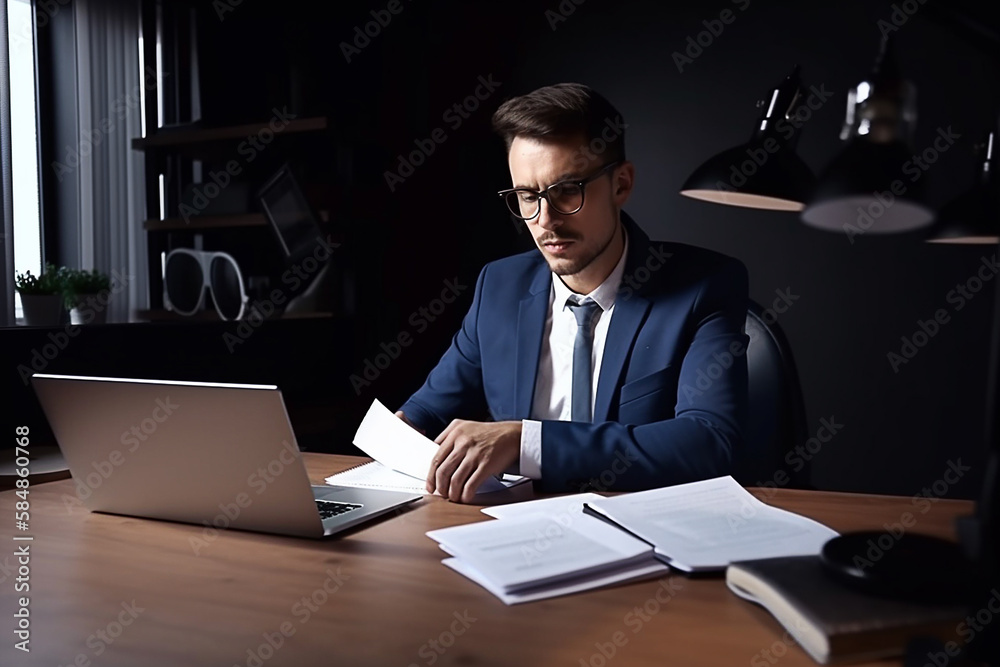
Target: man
x=605, y=361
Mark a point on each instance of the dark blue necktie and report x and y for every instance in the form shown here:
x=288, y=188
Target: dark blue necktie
x=582, y=369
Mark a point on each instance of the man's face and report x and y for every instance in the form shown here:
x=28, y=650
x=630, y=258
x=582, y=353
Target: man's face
x=585, y=246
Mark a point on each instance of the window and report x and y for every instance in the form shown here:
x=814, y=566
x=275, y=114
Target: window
x=24, y=141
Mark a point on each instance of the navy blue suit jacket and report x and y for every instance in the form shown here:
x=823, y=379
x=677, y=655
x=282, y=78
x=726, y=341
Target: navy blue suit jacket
x=672, y=393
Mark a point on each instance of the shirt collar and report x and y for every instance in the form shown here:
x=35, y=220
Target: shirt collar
x=605, y=293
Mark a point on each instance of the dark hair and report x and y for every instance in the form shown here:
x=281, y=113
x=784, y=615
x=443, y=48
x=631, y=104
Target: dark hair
x=562, y=110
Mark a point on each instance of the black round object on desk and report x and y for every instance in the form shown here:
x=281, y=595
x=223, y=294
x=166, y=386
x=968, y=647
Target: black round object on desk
x=912, y=567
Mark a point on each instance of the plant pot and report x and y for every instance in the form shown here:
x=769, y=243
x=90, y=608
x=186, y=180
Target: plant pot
x=88, y=311
x=43, y=310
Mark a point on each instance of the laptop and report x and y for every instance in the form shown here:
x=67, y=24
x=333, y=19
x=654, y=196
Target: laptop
x=211, y=454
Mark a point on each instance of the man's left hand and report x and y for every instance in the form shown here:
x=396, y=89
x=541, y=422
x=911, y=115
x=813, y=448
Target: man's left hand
x=470, y=452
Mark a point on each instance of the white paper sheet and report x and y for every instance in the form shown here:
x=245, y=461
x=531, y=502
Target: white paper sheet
x=374, y=475
x=705, y=525
x=632, y=572
x=523, y=553
x=387, y=439
x=390, y=441
x=558, y=506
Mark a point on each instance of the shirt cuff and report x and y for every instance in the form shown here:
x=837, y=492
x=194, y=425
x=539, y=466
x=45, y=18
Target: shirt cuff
x=531, y=448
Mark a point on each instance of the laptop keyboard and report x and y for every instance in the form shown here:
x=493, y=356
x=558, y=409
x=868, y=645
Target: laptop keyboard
x=330, y=508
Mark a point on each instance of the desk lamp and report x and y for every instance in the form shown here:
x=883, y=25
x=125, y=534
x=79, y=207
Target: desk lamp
x=922, y=568
x=880, y=118
x=866, y=176
x=765, y=172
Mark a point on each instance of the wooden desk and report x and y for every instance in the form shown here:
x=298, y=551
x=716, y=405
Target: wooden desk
x=109, y=590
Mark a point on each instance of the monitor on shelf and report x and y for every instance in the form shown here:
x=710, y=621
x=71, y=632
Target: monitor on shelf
x=301, y=241
x=292, y=218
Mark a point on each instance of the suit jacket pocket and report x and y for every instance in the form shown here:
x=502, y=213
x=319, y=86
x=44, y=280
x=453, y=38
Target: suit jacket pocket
x=649, y=398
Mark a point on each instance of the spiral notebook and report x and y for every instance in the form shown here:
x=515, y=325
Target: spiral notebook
x=374, y=475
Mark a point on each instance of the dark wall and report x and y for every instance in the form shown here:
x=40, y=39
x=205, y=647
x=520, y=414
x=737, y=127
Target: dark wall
x=852, y=302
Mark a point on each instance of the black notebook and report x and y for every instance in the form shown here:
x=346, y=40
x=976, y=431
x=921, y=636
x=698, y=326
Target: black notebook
x=834, y=623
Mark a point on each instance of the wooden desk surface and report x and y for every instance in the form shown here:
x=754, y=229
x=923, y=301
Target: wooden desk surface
x=110, y=590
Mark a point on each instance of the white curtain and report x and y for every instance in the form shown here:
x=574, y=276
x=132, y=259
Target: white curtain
x=6, y=184
x=111, y=174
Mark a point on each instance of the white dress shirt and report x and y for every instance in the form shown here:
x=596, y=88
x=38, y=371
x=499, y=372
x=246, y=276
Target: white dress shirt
x=554, y=378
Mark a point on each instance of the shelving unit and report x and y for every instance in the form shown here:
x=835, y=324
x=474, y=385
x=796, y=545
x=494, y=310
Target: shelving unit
x=210, y=315
x=182, y=151
x=198, y=137
x=205, y=222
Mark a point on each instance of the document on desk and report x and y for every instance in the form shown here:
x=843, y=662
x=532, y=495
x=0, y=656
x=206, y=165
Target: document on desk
x=559, y=507
x=397, y=446
x=536, y=556
x=704, y=526
x=621, y=575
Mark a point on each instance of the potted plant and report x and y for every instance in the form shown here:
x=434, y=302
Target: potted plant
x=41, y=297
x=81, y=290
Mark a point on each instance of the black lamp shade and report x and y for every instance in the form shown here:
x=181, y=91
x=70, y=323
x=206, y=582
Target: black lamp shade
x=972, y=218
x=865, y=190
x=753, y=176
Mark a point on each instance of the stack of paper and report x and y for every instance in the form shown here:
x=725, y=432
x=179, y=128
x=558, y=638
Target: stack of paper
x=555, y=546
x=545, y=548
x=402, y=457
x=705, y=526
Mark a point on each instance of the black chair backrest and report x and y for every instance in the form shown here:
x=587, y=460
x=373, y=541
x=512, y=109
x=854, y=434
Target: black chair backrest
x=776, y=421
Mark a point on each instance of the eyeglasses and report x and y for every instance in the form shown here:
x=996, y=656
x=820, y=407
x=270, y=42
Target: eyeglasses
x=186, y=274
x=564, y=197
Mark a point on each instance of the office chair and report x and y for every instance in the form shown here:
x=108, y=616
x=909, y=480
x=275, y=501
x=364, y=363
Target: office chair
x=776, y=420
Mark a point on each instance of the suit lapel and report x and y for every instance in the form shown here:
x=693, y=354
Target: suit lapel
x=531, y=316
x=630, y=311
x=625, y=322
